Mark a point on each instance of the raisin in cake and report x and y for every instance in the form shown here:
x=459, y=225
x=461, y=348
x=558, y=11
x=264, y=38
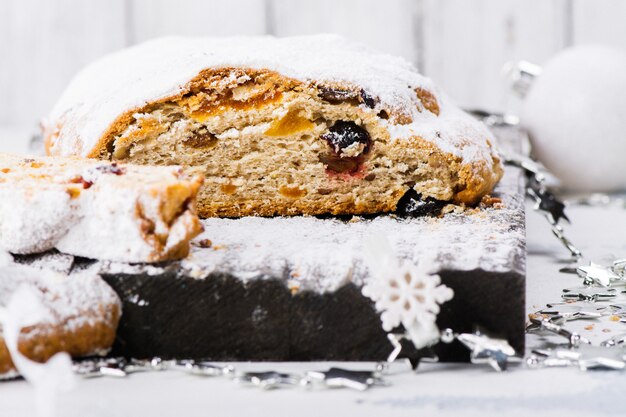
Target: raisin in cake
x=278, y=126
x=81, y=314
x=96, y=209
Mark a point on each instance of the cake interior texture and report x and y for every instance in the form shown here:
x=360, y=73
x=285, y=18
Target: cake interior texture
x=270, y=145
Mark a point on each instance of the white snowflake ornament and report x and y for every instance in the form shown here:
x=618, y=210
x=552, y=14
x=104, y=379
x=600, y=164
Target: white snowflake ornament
x=405, y=294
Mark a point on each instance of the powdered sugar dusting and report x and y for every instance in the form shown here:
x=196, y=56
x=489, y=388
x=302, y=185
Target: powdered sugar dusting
x=161, y=68
x=69, y=301
x=87, y=208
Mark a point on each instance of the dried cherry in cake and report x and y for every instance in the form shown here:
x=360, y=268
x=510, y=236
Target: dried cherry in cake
x=412, y=204
x=344, y=134
x=341, y=137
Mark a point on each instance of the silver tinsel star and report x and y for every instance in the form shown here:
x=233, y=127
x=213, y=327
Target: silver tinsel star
x=268, y=380
x=573, y=338
x=121, y=367
x=116, y=367
x=619, y=267
x=345, y=378
x=96, y=367
x=597, y=274
x=202, y=368
x=589, y=294
x=561, y=312
x=545, y=202
x=485, y=349
x=586, y=357
x=618, y=340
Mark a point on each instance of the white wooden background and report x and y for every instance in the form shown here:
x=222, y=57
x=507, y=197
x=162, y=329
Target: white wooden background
x=462, y=44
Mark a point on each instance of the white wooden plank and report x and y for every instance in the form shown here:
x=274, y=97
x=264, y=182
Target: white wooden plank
x=388, y=26
x=467, y=43
x=599, y=21
x=154, y=18
x=44, y=43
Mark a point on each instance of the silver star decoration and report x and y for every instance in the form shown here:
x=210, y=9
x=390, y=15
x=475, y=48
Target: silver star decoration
x=589, y=294
x=618, y=340
x=562, y=312
x=345, y=378
x=619, y=267
x=618, y=309
x=573, y=250
x=146, y=365
x=202, y=368
x=96, y=367
x=116, y=367
x=573, y=338
x=559, y=313
x=597, y=274
x=485, y=349
x=268, y=380
x=586, y=357
x=545, y=202
x=552, y=356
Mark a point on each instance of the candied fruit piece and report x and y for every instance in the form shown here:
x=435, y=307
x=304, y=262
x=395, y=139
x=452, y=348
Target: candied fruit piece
x=291, y=123
x=228, y=188
x=291, y=192
x=204, y=140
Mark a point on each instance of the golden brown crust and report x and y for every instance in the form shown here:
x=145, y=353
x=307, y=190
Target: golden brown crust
x=295, y=207
x=39, y=343
x=205, y=79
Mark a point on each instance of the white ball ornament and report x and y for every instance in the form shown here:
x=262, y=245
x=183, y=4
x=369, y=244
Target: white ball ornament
x=575, y=113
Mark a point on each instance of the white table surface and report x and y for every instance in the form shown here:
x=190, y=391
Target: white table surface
x=441, y=389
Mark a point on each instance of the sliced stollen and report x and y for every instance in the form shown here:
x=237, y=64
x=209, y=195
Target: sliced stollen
x=95, y=209
x=278, y=126
x=80, y=314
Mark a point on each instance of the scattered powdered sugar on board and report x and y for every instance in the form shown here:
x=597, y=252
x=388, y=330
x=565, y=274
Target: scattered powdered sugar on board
x=161, y=68
x=324, y=254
